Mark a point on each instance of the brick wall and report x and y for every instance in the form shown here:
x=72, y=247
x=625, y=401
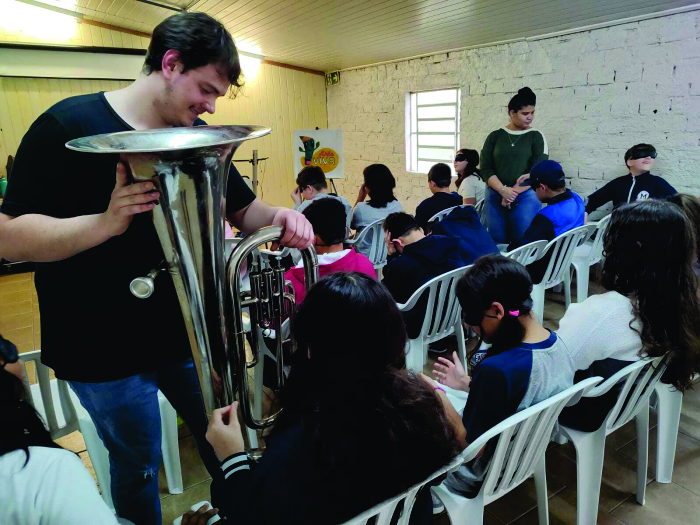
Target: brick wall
x=598, y=93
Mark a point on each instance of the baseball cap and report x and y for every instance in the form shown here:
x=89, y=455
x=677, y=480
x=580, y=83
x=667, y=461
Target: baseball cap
x=544, y=172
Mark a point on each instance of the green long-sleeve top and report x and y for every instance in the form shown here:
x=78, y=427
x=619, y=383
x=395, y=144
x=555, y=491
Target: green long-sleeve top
x=510, y=154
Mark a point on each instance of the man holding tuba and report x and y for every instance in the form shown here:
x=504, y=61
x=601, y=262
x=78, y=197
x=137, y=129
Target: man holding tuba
x=90, y=238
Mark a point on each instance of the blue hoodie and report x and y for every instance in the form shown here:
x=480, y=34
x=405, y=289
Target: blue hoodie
x=420, y=262
x=464, y=224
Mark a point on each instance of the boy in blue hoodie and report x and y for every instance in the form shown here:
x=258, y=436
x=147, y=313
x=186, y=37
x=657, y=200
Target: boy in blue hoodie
x=414, y=259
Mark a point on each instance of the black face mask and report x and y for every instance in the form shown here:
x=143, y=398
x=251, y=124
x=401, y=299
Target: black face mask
x=643, y=155
x=460, y=158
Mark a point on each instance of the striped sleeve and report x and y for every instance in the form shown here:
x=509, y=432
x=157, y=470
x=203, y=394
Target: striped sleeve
x=235, y=463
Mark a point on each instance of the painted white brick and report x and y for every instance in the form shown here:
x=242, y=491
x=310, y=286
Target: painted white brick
x=597, y=92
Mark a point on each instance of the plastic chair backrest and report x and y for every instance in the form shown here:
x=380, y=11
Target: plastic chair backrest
x=562, y=252
x=528, y=253
x=640, y=379
x=47, y=399
x=442, y=214
x=384, y=511
x=596, y=253
x=377, y=248
x=522, y=439
x=443, y=310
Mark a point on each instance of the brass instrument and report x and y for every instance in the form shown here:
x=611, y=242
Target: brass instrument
x=189, y=168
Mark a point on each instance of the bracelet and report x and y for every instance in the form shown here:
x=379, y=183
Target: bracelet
x=440, y=388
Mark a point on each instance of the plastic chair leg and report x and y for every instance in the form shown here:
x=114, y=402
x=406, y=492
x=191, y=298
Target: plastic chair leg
x=170, y=446
x=99, y=456
x=460, y=509
x=541, y=487
x=582, y=271
x=669, y=416
x=590, y=451
x=538, y=301
x=414, y=357
x=567, y=288
x=641, y=421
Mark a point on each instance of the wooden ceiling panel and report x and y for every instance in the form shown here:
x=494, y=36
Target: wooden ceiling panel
x=335, y=34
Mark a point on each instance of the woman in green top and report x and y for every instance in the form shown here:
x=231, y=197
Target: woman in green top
x=509, y=153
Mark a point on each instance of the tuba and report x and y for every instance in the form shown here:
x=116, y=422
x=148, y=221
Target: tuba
x=189, y=168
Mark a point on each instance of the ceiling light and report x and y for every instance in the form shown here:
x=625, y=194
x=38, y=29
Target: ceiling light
x=52, y=8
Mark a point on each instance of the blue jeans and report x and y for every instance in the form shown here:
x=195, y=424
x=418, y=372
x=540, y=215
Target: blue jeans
x=508, y=225
x=127, y=418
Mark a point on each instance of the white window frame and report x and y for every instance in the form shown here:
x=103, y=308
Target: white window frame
x=412, y=128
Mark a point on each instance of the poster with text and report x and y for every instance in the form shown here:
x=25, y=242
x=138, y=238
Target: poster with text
x=319, y=147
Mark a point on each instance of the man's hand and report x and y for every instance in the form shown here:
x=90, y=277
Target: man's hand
x=390, y=248
x=199, y=517
x=521, y=189
x=127, y=200
x=451, y=373
x=296, y=195
x=298, y=232
x=224, y=432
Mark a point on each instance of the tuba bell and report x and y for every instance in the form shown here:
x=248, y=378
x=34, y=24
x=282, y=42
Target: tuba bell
x=189, y=168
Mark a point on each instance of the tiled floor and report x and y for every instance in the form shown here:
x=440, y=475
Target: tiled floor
x=677, y=502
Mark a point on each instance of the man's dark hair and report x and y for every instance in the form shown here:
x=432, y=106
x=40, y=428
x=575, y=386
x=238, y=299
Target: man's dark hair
x=400, y=224
x=201, y=40
x=554, y=185
x=312, y=176
x=328, y=218
x=638, y=148
x=441, y=175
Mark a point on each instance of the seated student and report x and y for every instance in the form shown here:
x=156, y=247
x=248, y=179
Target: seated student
x=439, y=179
x=414, y=259
x=638, y=185
x=312, y=185
x=691, y=207
x=379, y=187
x=327, y=216
x=354, y=419
x=525, y=364
x=464, y=223
x=470, y=186
x=564, y=211
x=650, y=307
x=40, y=483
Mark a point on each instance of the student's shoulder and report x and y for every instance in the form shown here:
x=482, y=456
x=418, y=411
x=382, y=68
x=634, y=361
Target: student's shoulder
x=75, y=108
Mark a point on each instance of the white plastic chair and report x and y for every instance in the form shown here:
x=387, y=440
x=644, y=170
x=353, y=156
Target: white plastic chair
x=640, y=378
x=54, y=400
x=668, y=412
x=528, y=253
x=586, y=255
x=519, y=454
x=479, y=208
x=558, y=270
x=442, y=318
x=377, y=250
x=444, y=213
x=384, y=511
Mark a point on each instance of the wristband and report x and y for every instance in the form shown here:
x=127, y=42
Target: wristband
x=440, y=388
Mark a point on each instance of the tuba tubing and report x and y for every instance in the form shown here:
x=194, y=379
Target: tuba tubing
x=259, y=294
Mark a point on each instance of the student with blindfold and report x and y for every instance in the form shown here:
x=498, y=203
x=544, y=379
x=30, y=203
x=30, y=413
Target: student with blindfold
x=638, y=185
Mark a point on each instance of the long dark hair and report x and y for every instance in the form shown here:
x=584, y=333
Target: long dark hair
x=494, y=278
x=691, y=207
x=649, y=252
x=381, y=183
x=472, y=162
x=22, y=426
x=356, y=397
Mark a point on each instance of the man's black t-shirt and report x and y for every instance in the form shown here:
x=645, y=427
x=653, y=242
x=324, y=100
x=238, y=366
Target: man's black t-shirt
x=92, y=328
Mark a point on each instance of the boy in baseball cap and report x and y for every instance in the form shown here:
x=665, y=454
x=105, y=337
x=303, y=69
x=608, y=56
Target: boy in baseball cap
x=564, y=211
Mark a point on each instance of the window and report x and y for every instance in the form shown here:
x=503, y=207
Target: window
x=432, y=128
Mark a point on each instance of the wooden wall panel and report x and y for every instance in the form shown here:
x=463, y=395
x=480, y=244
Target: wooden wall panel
x=281, y=98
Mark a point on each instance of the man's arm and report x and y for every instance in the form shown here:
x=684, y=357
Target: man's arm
x=40, y=238
x=298, y=231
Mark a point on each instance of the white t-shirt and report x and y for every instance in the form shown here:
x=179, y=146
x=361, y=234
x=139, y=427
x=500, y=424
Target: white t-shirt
x=472, y=187
x=599, y=328
x=54, y=488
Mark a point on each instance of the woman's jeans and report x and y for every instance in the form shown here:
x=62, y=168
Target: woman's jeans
x=127, y=418
x=508, y=225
